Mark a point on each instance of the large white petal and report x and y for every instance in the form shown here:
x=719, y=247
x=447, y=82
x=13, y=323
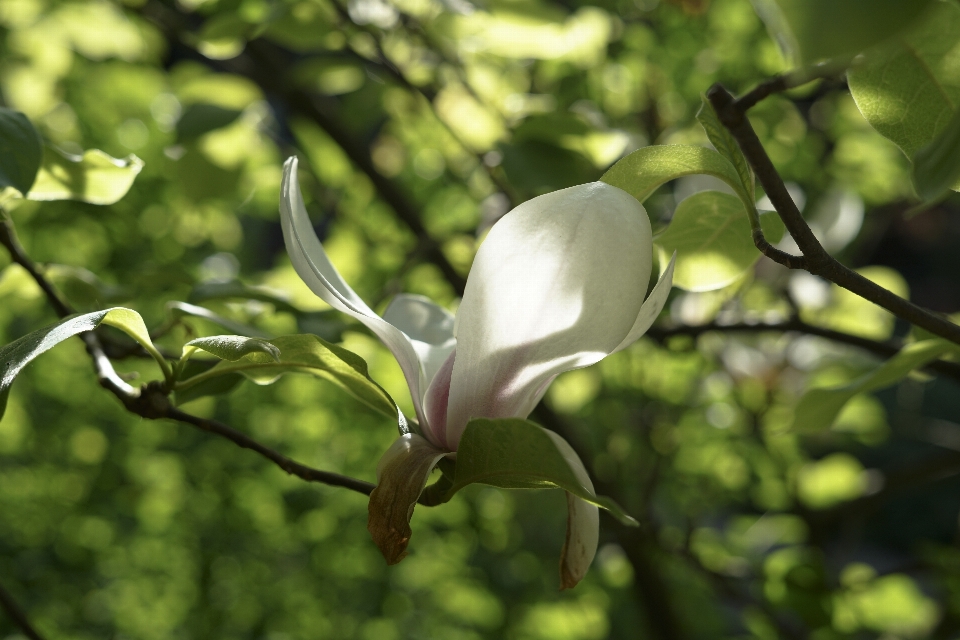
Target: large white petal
x=652, y=306
x=315, y=269
x=429, y=327
x=557, y=285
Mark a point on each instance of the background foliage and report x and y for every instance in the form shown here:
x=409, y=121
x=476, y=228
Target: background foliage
x=421, y=122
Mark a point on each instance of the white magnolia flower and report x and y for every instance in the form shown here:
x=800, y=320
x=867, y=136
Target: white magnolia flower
x=558, y=284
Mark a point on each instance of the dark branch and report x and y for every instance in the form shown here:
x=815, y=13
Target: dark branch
x=151, y=401
x=882, y=349
x=18, y=615
x=815, y=258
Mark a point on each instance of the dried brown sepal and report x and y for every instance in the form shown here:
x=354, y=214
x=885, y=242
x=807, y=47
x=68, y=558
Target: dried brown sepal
x=401, y=476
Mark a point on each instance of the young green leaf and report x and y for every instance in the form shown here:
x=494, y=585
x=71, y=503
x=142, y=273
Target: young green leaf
x=93, y=177
x=725, y=144
x=200, y=118
x=238, y=290
x=517, y=454
x=20, y=151
x=812, y=30
x=19, y=353
x=711, y=234
x=230, y=348
x=644, y=170
x=180, y=309
x=936, y=167
x=818, y=408
x=909, y=89
x=306, y=353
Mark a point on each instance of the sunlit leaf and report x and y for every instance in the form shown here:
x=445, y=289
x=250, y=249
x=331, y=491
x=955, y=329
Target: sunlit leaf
x=93, y=177
x=936, y=167
x=724, y=143
x=306, y=353
x=19, y=353
x=818, y=408
x=230, y=348
x=518, y=454
x=644, y=170
x=909, y=89
x=812, y=30
x=711, y=234
x=20, y=151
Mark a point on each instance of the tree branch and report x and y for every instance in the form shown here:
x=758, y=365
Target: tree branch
x=151, y=401
x=882, y=349
x=18, y=615
x=815, y=258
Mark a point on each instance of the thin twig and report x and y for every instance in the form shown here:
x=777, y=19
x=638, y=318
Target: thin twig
x=815, y=258
x=18, y=615
x=876, y=347
x=151, y=401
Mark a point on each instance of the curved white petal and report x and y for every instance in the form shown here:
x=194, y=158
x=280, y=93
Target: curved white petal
x=583, y=521
x=580, y=545
x=652, y=306
x=430, y=329
x=314, y=267
x=557, y=285
x=401, y=476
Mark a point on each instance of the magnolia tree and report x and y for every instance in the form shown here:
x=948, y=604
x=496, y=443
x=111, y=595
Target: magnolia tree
x=565, y=268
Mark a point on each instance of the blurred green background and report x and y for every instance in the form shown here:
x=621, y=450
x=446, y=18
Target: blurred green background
x=420, y=123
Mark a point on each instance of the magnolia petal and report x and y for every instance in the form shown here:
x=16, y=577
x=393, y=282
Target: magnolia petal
x=583, y=521
x=554, y=287
x=401, y=476
x=314, y=267
x=651, y=307
x=430, y=329
x=435, y=404
x=580, y=546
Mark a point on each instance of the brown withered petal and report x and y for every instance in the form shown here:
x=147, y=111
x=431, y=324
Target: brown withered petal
x=401, y=476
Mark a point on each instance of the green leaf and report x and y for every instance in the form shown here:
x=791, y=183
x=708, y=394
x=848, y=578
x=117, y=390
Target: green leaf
x=812, y=30
x=236, y=289
x=909, y=90
x=19, y=353
x=215, y=386
x=517, y=454
x=724, y=143
x=132, y=324
x=936, y=167
x=84, y=287
x=93, y=177
x=180, y=309
x=711, y=235
x=818, y=408
x=20, y=151
x=306, y=353
x=644, y=170
x=230, y=348
x=198, y=119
